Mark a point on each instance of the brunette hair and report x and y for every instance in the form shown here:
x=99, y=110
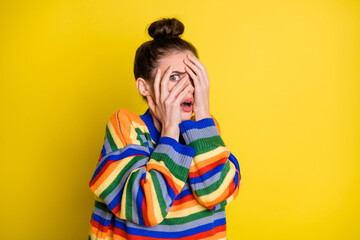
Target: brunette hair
x=165, y=33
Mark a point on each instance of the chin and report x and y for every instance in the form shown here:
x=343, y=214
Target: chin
x=186, y=115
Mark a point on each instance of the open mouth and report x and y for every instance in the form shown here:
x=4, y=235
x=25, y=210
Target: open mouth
x=187, y=105
x=187, y=102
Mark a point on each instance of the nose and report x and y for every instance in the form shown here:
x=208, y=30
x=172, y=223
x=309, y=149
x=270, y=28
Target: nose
x=190, y=79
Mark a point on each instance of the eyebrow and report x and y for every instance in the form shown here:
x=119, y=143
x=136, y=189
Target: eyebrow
x=178, y=72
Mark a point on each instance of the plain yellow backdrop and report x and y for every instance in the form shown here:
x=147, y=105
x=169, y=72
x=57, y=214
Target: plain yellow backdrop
x=284, y=87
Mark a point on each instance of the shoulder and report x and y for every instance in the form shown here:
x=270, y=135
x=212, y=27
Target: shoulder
x=123, y=123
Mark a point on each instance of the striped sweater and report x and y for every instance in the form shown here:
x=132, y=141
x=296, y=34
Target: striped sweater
x=151, y=187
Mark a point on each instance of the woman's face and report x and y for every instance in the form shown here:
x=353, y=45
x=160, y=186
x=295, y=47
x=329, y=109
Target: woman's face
x=176, y=60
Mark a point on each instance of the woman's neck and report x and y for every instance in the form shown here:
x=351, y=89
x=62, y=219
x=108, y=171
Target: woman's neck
x=156, y=122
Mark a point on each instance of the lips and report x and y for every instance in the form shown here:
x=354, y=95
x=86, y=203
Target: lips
x=187, y=104
x=187, y=101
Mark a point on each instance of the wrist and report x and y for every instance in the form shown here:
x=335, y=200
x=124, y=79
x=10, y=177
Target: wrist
x=201, y=116
x=171, y=132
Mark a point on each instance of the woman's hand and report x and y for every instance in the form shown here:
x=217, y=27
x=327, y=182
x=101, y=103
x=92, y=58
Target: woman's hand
x=166, y=105
x=198, y=73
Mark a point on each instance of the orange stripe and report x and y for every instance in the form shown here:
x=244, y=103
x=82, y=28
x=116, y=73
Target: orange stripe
x=127, y=117
x=226, y=194
x=216, y=236
x=208, y=161
x=102, y=233
x=149, y=208
x=105, y=174
x=166, y=172
x=211, y=204
x=184, y=205
x=115, y=124
x=187, y=198
x=207, y=168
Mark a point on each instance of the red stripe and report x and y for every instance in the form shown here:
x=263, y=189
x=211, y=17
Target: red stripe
x=187, y=198
x=116, y=209
x=103, y=169
x=101, y=227
x=207, y=168
x=121, y=232
x=171, y=183
x=209, y=233
x=144, y=206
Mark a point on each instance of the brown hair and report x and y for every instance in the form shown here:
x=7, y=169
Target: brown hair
x=165, y=33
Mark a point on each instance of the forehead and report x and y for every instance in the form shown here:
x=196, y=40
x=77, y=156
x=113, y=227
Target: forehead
x=176, y=59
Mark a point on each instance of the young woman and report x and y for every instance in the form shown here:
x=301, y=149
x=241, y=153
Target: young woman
x=166, y=174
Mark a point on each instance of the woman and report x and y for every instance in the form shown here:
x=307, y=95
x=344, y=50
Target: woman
x=165, y=174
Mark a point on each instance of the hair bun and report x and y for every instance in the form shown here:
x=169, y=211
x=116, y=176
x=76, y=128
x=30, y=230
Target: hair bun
x=166, y=28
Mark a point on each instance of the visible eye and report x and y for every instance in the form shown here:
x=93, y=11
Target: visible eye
x=174, y=77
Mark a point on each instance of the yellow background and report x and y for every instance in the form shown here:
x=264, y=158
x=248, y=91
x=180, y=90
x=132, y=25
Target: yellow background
x=284, y=87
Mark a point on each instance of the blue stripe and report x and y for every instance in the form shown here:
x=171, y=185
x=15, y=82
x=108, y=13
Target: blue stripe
x=184, y=193
x=101, y=220
x=103, y=151
x=203, y=123
x=233, y=159
x=116, y=200
x=236, y=179
x=139, y=201
x=147, y=119
x=206, y=175
x=116, y=157
x=170, y=191
x=174, y=235
x=181, y=149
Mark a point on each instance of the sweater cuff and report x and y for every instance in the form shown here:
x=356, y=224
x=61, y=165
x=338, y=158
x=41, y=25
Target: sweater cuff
x=194, y=130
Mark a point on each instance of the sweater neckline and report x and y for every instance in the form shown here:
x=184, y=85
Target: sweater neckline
x=148, y=120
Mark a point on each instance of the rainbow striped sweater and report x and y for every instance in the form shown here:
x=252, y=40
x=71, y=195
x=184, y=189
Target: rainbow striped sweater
x=151, y=187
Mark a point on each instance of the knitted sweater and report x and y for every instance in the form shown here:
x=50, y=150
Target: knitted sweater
x=151, y=187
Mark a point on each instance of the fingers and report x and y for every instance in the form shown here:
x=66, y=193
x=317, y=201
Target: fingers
x=164, y=83
x=194, y=67
x=193, y=76
x=182, y=94
x=198, y=68
x=176, y=90
x=156, y=86
x=197, y=62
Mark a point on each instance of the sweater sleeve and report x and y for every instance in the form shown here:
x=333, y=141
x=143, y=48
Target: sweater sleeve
x=214, y=175
x=135, y=185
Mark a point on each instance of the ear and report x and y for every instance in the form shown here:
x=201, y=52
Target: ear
x=143, y=87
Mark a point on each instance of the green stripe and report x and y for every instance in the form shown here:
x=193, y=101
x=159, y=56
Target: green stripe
x=190, y=218
x=117, y=180
x=178, y=171
x=111, y=140
x=159, y=193
x=139, y=133
x=204, y=145
x=223, y=203
x=129, y=205
x=101, y=206
x=215, y=185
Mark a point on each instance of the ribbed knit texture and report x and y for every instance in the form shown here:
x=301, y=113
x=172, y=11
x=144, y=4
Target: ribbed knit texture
x=152, y=187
